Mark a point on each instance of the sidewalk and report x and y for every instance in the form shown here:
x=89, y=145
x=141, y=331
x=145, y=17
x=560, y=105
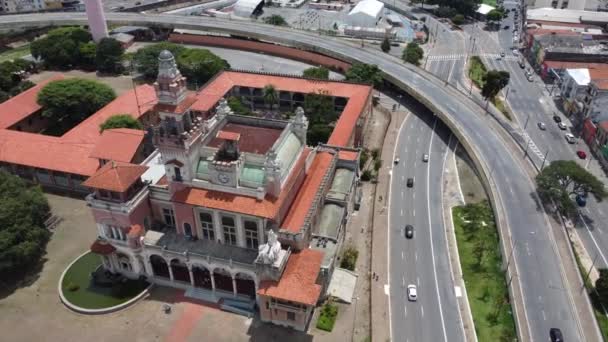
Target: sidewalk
x=380, y=317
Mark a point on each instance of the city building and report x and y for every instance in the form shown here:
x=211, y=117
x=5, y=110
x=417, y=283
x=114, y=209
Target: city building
x=236, y=210
x=366, y=13
x=248, y=8
x=565, y=47
x=15, y=6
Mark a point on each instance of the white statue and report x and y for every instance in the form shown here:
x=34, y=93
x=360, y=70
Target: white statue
x=269, y=252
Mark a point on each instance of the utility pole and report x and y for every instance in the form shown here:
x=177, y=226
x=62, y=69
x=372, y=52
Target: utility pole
x=526, y=124
x=589, y=272
x=544, y=159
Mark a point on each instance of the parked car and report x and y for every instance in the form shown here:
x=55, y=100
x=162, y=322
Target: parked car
x=515, y=52
x=396, y=160
x=409, y=231
x=522, y=64
x=530, y=79
x=556, y=335
x=581, y=200
x=562, y=126
x=506, y=27
x=557, y=119
x=425, y=157
x=542, y=126
x=412, y=293
x=502, y=54
x=570, y=138
x=410, y=182
x=581, y=154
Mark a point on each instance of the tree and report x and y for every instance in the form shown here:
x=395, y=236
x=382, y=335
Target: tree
x=23, y=236
x=318, y=133
x=493, y=82
x=365, y=73
x=61, y=47
x=120, y=121
x=237, y=106
x=563, y=180
x=349, y=258
x=445, y=12
x=321, y=73
x=68, y=102
x=413, y=53
x=109, y=55
x=458, y=19
x=464, y=7
x=199, y=65
x=601, y=286
x=270, y=95
x=386, y=45
x=276, y=20
x=319, y=107
x=494, y=17
x=146, y=59
x=87, y=52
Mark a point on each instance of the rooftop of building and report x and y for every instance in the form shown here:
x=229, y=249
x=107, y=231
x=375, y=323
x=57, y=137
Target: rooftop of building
x=115, y=176
x=328, y=246
x=341, y=184
x=572, y=65
x=298, y=282
x=567, y=43
x=23, y=105
x=567, y=15
x=357, y=95
x=119, y=144
x=252, y=139
x=368, y=7
x=329, y=221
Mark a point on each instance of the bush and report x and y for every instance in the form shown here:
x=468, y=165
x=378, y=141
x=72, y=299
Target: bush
x=375, y=153
x=327, y=318
x=366, y=176
x=445, y=12
x=276, y=20
x=120, y=121
x=321, y=73
x=458, y=19
x=349, y=258
x=377, y=164
x=237, y=106
x=363, y=159
x=412, y=53
x=73, y=287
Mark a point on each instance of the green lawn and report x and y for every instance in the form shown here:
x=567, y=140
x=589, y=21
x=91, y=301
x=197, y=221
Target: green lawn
x=19, y=52
x=479, y=250
x=501, y=107
x=89, y=296
x=327, y=318
x=489, y=2
x=476, y=71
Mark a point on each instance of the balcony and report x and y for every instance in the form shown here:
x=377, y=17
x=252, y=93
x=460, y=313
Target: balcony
x=286, y=307
x=123, y=207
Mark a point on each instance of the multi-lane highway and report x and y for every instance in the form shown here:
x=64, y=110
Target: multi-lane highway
x=539, y=274
x=423, y=260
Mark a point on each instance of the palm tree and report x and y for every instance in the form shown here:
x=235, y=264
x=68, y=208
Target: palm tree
x=270, y=95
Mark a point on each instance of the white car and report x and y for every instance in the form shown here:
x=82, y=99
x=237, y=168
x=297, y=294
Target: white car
x=562, y=126
x=570, y=138
x=425, y=157
x=412, y=293
x=515, y=52
x=396, y=161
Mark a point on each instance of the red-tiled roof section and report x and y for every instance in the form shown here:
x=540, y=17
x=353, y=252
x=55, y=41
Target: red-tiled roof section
x=119, y=144
x=601, y=84
x=306, y=194
x=572, y=65
x=23, y=105
x=298, y=282
x=102, y=247
x=356, y=93
x=604, y=125
x=267, y=208
x=225, y=135
x=70, y=152
x=115, y=176
x=348, y=155
x=251, y=139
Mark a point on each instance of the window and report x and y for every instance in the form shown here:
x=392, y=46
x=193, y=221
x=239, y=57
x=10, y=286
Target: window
x=104, y=194
x=178, y=174
x=169, y=217
x=251, y=234
x=207, y=225
x=187, y=229
x=229, y=230
x=291, y=316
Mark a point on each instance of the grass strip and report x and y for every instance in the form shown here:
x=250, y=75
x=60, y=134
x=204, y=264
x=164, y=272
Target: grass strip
x=13, y=54
x=327, y=318
x=481, y=261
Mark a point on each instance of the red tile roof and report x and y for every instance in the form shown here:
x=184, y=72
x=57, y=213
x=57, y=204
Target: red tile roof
x=357, y=94
x=70, y=152
x=23, y=105
x=251, y=139
x=115, y=176
x=102, y=247
x=225, y=135
x=572, y=65
x=348, y=155
x=601, y=84
x=119, y=144
x=306, y=194
x=298, y=282
x=268, y=207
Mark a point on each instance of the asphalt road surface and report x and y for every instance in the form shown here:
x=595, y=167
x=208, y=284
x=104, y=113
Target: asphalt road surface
x=547, y=297
x=423, y=260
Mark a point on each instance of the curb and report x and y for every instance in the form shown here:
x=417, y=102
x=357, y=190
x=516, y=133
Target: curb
x=85, y=311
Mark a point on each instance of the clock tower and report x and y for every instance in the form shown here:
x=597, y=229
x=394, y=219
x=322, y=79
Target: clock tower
x=226, y=164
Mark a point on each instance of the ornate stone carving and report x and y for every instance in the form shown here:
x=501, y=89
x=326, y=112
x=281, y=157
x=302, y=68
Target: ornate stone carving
x=269, y=252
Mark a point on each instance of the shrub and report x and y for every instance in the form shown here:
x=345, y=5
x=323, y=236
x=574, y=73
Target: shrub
x=73, y=287
x=327, y=318
x=349, y=258
x=377, y=164
x=366, y=176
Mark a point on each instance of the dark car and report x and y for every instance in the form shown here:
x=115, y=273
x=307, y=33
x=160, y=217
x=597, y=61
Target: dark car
x=409, y=231
x=506, y=27
x=410, y=182
x=581, y=201
x=556, y=335
x=557, y=119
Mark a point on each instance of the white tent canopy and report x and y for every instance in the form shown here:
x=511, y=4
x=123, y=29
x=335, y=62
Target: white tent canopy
x=245, y=8
x=485, y=9
x=366, y=13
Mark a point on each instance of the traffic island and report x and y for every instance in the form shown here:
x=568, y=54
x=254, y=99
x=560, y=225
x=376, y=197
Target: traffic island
x=481, y=261
x=85, y=287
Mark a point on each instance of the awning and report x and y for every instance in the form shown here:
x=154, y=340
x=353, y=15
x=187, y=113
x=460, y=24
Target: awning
x=102, y=247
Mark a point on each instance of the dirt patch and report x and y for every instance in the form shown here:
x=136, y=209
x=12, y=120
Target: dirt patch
x=120, y=84
x=470, y=183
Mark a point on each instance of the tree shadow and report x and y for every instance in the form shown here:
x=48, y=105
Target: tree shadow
x=579, y=223
x=540, y=206
x=25, y=277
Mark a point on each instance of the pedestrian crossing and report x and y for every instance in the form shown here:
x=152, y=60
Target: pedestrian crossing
x=458, y=56
x=532, y=148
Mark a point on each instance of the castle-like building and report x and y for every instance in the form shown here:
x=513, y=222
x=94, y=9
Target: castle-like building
x=236, y=210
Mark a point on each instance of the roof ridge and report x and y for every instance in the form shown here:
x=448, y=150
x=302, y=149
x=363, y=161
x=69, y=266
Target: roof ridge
x=276, y=74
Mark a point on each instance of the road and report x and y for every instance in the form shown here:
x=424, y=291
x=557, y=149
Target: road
x=532, y=104
x=423, y=260
x=539, y=275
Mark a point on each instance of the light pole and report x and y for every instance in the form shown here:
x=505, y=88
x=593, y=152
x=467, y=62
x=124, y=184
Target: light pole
x=544, y=159
x=589, y=272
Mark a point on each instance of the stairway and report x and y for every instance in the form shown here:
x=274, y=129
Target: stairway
x=241, y=306
x=202, y=294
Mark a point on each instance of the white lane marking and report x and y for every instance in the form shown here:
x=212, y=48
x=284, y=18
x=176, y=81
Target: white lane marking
x=414, y=213
x=414, y=195
x=401, y=211
x=403, y=280
x=544, y=316
x=416, y=256
x=422, y=310
x=405, y=310
x=418, y=281
x=428, y=203
x=597, y=247
x=402, y=256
